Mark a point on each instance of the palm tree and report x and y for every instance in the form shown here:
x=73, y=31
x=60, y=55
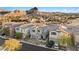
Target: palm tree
x=12, y=45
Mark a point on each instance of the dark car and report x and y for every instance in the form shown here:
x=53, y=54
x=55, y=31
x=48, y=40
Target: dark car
x=50, y=44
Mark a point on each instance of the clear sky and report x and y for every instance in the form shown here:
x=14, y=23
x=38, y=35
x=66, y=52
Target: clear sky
x=47, y=9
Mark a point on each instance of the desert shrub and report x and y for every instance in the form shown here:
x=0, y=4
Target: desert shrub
x=18, y=35
x=67, y=40
x=6, y=31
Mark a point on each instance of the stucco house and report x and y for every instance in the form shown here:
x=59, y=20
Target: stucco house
x=24, y=29
x=45, y=32
x=11, y=27
x=39, y=31
x=36, y=31
x=55, y=31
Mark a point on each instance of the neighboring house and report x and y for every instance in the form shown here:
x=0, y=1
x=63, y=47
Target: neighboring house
x=36, y=33
x=11, y=26
x=24, y=29
x=54, y=35
x=54, y=32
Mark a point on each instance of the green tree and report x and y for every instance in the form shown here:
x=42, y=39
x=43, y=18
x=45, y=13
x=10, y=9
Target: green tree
x=67, y=40
x=18, y=35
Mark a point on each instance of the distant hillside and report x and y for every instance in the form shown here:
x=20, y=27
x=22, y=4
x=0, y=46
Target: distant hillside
x=34, y=13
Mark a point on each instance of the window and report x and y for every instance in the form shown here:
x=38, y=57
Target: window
x=33, y=30
x=53, y=33
x=17, y=28
x=38, y=30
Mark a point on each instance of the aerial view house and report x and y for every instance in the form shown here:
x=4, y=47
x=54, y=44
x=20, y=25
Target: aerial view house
x=40, y=31
x=35, y=28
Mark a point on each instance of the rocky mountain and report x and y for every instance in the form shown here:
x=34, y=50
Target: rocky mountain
x=34, y=15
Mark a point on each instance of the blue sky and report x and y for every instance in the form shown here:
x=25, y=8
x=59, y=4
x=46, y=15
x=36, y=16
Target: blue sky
x=47, y=9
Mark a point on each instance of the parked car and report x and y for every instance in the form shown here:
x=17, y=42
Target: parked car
x=50, y=44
